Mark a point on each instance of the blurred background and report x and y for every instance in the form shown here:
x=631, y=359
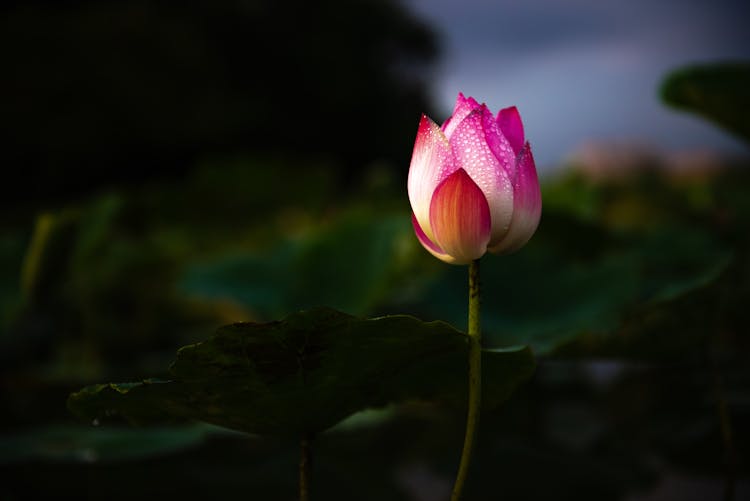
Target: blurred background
x=172, y=168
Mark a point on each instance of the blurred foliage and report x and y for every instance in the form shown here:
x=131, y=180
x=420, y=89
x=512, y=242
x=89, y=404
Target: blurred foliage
x=633, y=294
x=355, y=266
x=718, y=92
x=301, y=375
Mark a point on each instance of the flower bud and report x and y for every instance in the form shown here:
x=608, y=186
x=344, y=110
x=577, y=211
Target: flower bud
x=473, y=185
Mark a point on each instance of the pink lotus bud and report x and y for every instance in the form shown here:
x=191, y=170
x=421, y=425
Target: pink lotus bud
x=472, y=184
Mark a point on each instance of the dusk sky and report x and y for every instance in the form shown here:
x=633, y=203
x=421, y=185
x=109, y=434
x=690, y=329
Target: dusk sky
x=586, y=71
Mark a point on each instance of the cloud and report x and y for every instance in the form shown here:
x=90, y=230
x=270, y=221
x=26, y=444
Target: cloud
x=583, y=70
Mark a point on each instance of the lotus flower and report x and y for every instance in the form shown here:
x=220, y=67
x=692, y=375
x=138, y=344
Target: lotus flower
x=472, y=184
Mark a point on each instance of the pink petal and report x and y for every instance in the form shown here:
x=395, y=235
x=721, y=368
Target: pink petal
x=527, y=209
x=431, y=161
x=428, y=244
x=463, y=107
x=510, y=124
x=460, y=218
x=499, y=144
x=473, y=154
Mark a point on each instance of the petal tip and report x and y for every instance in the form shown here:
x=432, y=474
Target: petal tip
x=509, y=121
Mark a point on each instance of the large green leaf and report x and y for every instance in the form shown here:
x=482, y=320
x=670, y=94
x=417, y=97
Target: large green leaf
x=557, y=291
x=306, y=373
x=349, y=267
x=719, y=92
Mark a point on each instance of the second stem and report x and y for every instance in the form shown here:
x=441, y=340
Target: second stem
x=305, y=467
x=475, y=380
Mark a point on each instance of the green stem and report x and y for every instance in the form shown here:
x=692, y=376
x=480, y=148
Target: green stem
x=475, y=380
x=305, y=468
x=725, y=426
x=33, y=261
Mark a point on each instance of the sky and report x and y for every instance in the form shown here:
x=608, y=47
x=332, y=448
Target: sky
x=585, y=72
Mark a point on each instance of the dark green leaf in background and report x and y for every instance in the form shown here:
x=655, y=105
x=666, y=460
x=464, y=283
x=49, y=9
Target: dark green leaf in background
x=350, y=266
x=79, y=444
x=551, y=295
x=719, y=92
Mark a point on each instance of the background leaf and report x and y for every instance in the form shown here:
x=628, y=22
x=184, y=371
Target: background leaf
x=349, y=266
x=719, y=92
x=79, y=444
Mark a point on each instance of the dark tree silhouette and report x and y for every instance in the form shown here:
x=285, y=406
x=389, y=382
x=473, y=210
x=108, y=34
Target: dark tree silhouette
x=112, y=92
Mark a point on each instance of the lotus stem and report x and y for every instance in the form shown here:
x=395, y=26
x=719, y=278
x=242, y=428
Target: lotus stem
x=475, y=380
x=305, y=468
